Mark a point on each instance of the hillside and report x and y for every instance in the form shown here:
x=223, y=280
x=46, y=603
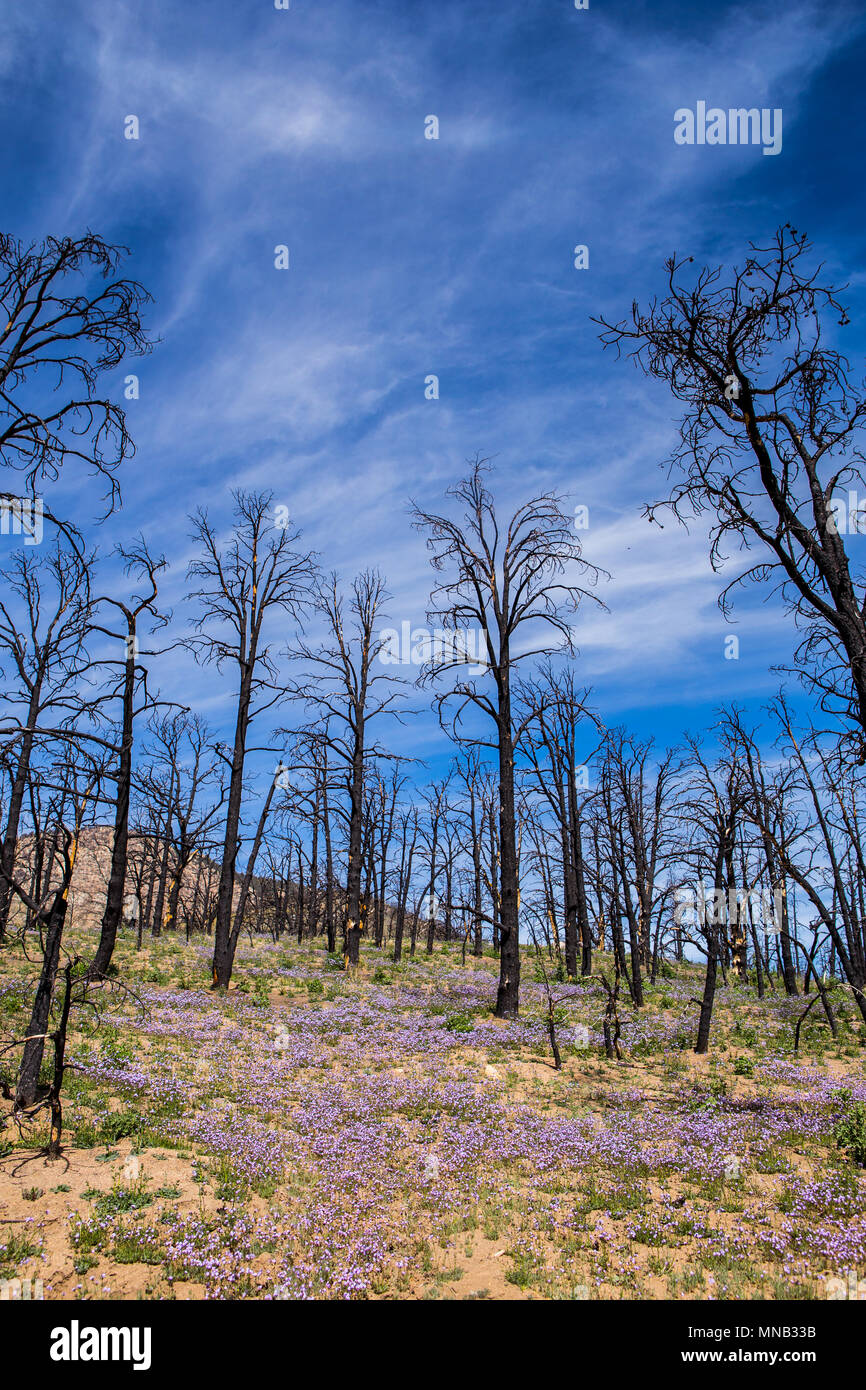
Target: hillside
x=92, y=864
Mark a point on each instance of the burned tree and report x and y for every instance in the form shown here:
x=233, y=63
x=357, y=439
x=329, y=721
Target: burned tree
x=243, y=584
x=770, y=431
x=183, y=783
x=822, y=842
x=72, y=788
x=129, y=687
x=558, y=708
x=344, y=690
x=42, y=629
x=511, y=585
x=66, y=316
x=712, y=808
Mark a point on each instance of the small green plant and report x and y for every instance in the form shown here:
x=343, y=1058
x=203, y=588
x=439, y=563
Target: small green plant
x=459, y=1023
x=137, y=1247
x=744, y=1066
x=710, y=1095
x=115, y=1050
x=229, y=1186
x=16, y=1249
x=521, y=1272
x=121, y=1199
x=850, y=1129
x=86, y=1133
x=86, y=1237
x=118, y=1125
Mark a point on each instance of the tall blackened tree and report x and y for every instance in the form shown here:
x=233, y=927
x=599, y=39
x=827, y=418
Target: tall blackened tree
x=130, y=687
x=72, y=784
x=256, y=575
x=559, y=709
x=712, y=808
x=346, y=688
x=42, y=628
x=511, y=585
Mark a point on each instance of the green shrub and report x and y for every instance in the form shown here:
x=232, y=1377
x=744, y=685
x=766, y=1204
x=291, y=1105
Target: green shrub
x=229, y=1185
x=16, y=1249
x=121, y=1199
x=86, y=1134
x=118, y=1125
x=459, y=1023
x=850, y=1129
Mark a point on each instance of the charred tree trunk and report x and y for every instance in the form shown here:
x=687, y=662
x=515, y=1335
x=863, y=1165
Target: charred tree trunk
x=31, y=1060
x=111, y=918
x=508, y=993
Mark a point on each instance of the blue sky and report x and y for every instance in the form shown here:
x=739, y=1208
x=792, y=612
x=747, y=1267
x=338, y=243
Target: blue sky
x=409, y=257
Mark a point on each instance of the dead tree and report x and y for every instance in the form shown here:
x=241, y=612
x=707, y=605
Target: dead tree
x=183, y=779
x=436, y=812
x=72, y=795
x=130, y=687
x=610, y=1022
x=251, y=863
x=826, y=837
x=768, y=810
x=244, y=584
x=345, y=688
x=472, y=815
x=558, y=707
x=408, y=840
x=551, y=1001
x=770, y=431
x=42, y=629
x=66, y=318
x=498, y=583
x=712, y=808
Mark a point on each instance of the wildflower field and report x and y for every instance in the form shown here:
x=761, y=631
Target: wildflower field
x=316, y=1134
